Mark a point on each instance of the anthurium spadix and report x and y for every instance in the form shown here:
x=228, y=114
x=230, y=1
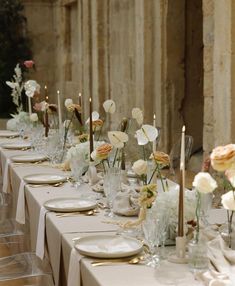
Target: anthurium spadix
x=117, y=138
x=109, y=106
x=147, y=133
x=95, y=116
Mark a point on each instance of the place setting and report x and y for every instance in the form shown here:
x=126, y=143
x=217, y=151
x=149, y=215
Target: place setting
x=68, y=207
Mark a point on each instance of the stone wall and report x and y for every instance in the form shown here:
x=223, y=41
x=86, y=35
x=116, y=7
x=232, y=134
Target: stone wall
x=132, y=51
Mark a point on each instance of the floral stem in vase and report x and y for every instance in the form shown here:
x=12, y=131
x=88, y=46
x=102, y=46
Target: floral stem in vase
x=198, y=208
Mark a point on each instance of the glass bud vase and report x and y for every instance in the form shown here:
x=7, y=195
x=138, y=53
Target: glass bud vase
x=197, y=254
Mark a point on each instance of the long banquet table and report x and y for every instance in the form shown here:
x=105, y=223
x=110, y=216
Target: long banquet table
x=61, y=231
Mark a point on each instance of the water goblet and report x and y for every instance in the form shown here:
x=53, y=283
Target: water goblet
x=150, y=228
x=77, y=169
x=112, y=184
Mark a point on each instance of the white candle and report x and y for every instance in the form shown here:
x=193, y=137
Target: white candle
x=59, y=109
x=80, y=99
x=154, y=142
x=30, y=106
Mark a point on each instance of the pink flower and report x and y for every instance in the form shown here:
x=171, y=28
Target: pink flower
x=29, y=64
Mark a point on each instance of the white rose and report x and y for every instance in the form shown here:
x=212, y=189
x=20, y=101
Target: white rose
x=109, y=106
x=33, y=117
x=204, y=183
x=137, y=114
x=68, y=102
x=140, y=167
x=228, y=201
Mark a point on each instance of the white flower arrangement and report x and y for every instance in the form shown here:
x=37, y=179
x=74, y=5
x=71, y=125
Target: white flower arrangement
x=169, y=200
x=17, y=86
x=14, y=123
x=82, y=152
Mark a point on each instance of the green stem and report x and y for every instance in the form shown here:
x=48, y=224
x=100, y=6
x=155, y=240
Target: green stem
x=160, y=176
x=104, y=167
x=152, y=174
x=115, y=157
x=144, y=154
x=198, y=215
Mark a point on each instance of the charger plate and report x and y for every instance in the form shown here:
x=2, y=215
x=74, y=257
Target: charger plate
x=108, y=246
x=69, y=205
x=16, y=145
x=44, y=178
x=7, y=133
x=28, y=158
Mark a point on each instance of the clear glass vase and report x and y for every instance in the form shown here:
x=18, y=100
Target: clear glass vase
x=197, y=253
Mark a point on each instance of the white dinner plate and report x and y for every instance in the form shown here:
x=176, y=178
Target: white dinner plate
x=28, y=158
x=7, y=133
x=108, y=246
x=44, y=179
x=69, y=205
x=16, y=145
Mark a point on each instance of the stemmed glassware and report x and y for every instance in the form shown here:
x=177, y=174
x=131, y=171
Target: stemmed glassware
x=155, y=229
x=77, y=169
x=112, y=184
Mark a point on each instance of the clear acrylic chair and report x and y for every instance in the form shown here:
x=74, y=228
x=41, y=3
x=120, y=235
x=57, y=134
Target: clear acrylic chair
x=24, y=268
x=5, y=206
x=18, y=267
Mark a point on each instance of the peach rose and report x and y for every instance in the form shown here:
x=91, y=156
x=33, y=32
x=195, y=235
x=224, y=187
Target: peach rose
x=223, y=157
x=161, y=158
x=103, y=151
x=97, y=124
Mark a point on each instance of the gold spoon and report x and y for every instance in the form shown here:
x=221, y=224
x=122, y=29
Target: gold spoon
x=46, y=185
x=134, y=260
x=88, y=213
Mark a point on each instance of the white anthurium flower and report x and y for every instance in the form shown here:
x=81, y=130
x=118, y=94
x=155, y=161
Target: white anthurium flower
x=147, y=133
x=95, y=116
x=31, y=87
x=137, y=114
x=204, y=183
x=140, y=167
x=33, y=117
x=68, y=102
x=109, y=106
x=117, y=138
x=228, y=201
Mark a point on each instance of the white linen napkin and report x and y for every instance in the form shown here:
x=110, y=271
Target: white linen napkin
x=20, y=208
x=40, y=246
x=222, y=268
x=74, y=275
x=6, y=177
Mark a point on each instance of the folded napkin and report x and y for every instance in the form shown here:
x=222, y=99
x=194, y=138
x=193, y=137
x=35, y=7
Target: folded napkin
x=222, y=264
x=40, y=246
x=74, y=276
x=6, y=177
x=126, y=202
x=20, y=208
